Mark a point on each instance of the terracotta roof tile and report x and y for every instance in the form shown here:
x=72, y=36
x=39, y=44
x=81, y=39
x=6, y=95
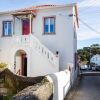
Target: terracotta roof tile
x=36, y=7
x=32, y=9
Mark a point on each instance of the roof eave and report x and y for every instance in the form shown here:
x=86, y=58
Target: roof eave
x=64, y=5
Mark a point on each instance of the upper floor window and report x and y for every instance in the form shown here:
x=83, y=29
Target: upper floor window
x=7, y=28
x=49, y=25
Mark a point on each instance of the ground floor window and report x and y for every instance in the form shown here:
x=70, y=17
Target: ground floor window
x=7, y=28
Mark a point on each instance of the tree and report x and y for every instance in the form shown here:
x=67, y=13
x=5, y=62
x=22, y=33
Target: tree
x=88, y=52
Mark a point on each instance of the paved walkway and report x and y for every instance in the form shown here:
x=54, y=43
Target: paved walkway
x=88, y=89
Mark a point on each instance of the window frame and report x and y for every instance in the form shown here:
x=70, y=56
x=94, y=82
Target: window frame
x=3, y=34
x=49, y=33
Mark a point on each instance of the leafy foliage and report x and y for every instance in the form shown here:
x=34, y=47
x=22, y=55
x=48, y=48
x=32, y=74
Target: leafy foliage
x=3, y=65
x=87, y=52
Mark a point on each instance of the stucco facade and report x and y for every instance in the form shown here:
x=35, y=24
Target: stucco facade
x=39, y=48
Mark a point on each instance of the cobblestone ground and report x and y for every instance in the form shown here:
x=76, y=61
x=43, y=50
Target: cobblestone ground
x=87, y=89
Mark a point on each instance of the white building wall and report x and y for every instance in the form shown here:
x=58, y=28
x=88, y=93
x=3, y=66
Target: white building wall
x=18, y=26
x=75, y=28
x=62, y=41
x=8, y=50
x=37, y=64
x=40, y=65
x=18, y=62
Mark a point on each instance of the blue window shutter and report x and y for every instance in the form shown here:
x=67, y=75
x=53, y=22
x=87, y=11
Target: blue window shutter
x=46, y=28
x=46, y=25
x=52, y=25
x=5, y=28
x=9, y=28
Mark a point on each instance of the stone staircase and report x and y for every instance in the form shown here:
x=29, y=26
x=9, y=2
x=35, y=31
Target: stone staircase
x=38, y=46
x=44, y=51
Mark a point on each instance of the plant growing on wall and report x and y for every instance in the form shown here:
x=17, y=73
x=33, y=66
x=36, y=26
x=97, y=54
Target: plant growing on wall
x=3, y=65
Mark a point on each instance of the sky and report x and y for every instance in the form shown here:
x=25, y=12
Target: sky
x=15, y=4
x=88, y=11
x=89, y=31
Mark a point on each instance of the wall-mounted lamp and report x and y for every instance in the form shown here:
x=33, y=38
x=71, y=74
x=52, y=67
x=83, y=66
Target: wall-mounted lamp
x=71, y=15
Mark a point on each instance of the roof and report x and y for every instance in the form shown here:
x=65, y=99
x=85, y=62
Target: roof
x=46, y=6
x=24, y=12
x=34, y=8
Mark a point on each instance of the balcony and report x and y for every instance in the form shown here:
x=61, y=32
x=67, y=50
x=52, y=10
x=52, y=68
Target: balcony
x=22, y=39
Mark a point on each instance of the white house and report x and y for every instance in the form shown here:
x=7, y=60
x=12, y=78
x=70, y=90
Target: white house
x=95, y=59
x=39, y=40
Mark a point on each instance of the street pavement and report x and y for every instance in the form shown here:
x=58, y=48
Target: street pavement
x=88, y=88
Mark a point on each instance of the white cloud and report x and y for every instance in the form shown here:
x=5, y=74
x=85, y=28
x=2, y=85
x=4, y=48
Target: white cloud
x=87, y=35
x=89, y=3
x=90, y=14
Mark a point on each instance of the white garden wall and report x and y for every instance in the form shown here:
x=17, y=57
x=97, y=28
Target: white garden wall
x=61, y=84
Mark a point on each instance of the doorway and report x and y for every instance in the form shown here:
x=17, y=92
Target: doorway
x=21, y=63
x=24, y=65
x=25, y=27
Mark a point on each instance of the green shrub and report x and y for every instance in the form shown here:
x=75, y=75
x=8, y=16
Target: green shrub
x=3, y=65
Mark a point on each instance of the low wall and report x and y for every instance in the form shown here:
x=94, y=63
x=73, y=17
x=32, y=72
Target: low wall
x=55, y=87
x=58, y=85
x=62, y=81
x=61, y=84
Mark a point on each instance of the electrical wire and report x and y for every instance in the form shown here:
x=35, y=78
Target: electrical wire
x=88, y=26
x=86, y=3
x=87, y=8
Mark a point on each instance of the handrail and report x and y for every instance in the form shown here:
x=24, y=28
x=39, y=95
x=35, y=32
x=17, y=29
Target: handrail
x=33, y=42
x=18, y=72
x=53, y=58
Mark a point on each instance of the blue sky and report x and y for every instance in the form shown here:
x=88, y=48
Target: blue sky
x=15, y=4
x=88, y=12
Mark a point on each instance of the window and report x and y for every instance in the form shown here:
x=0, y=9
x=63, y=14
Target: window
x=49, y=25
x=7, y=28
